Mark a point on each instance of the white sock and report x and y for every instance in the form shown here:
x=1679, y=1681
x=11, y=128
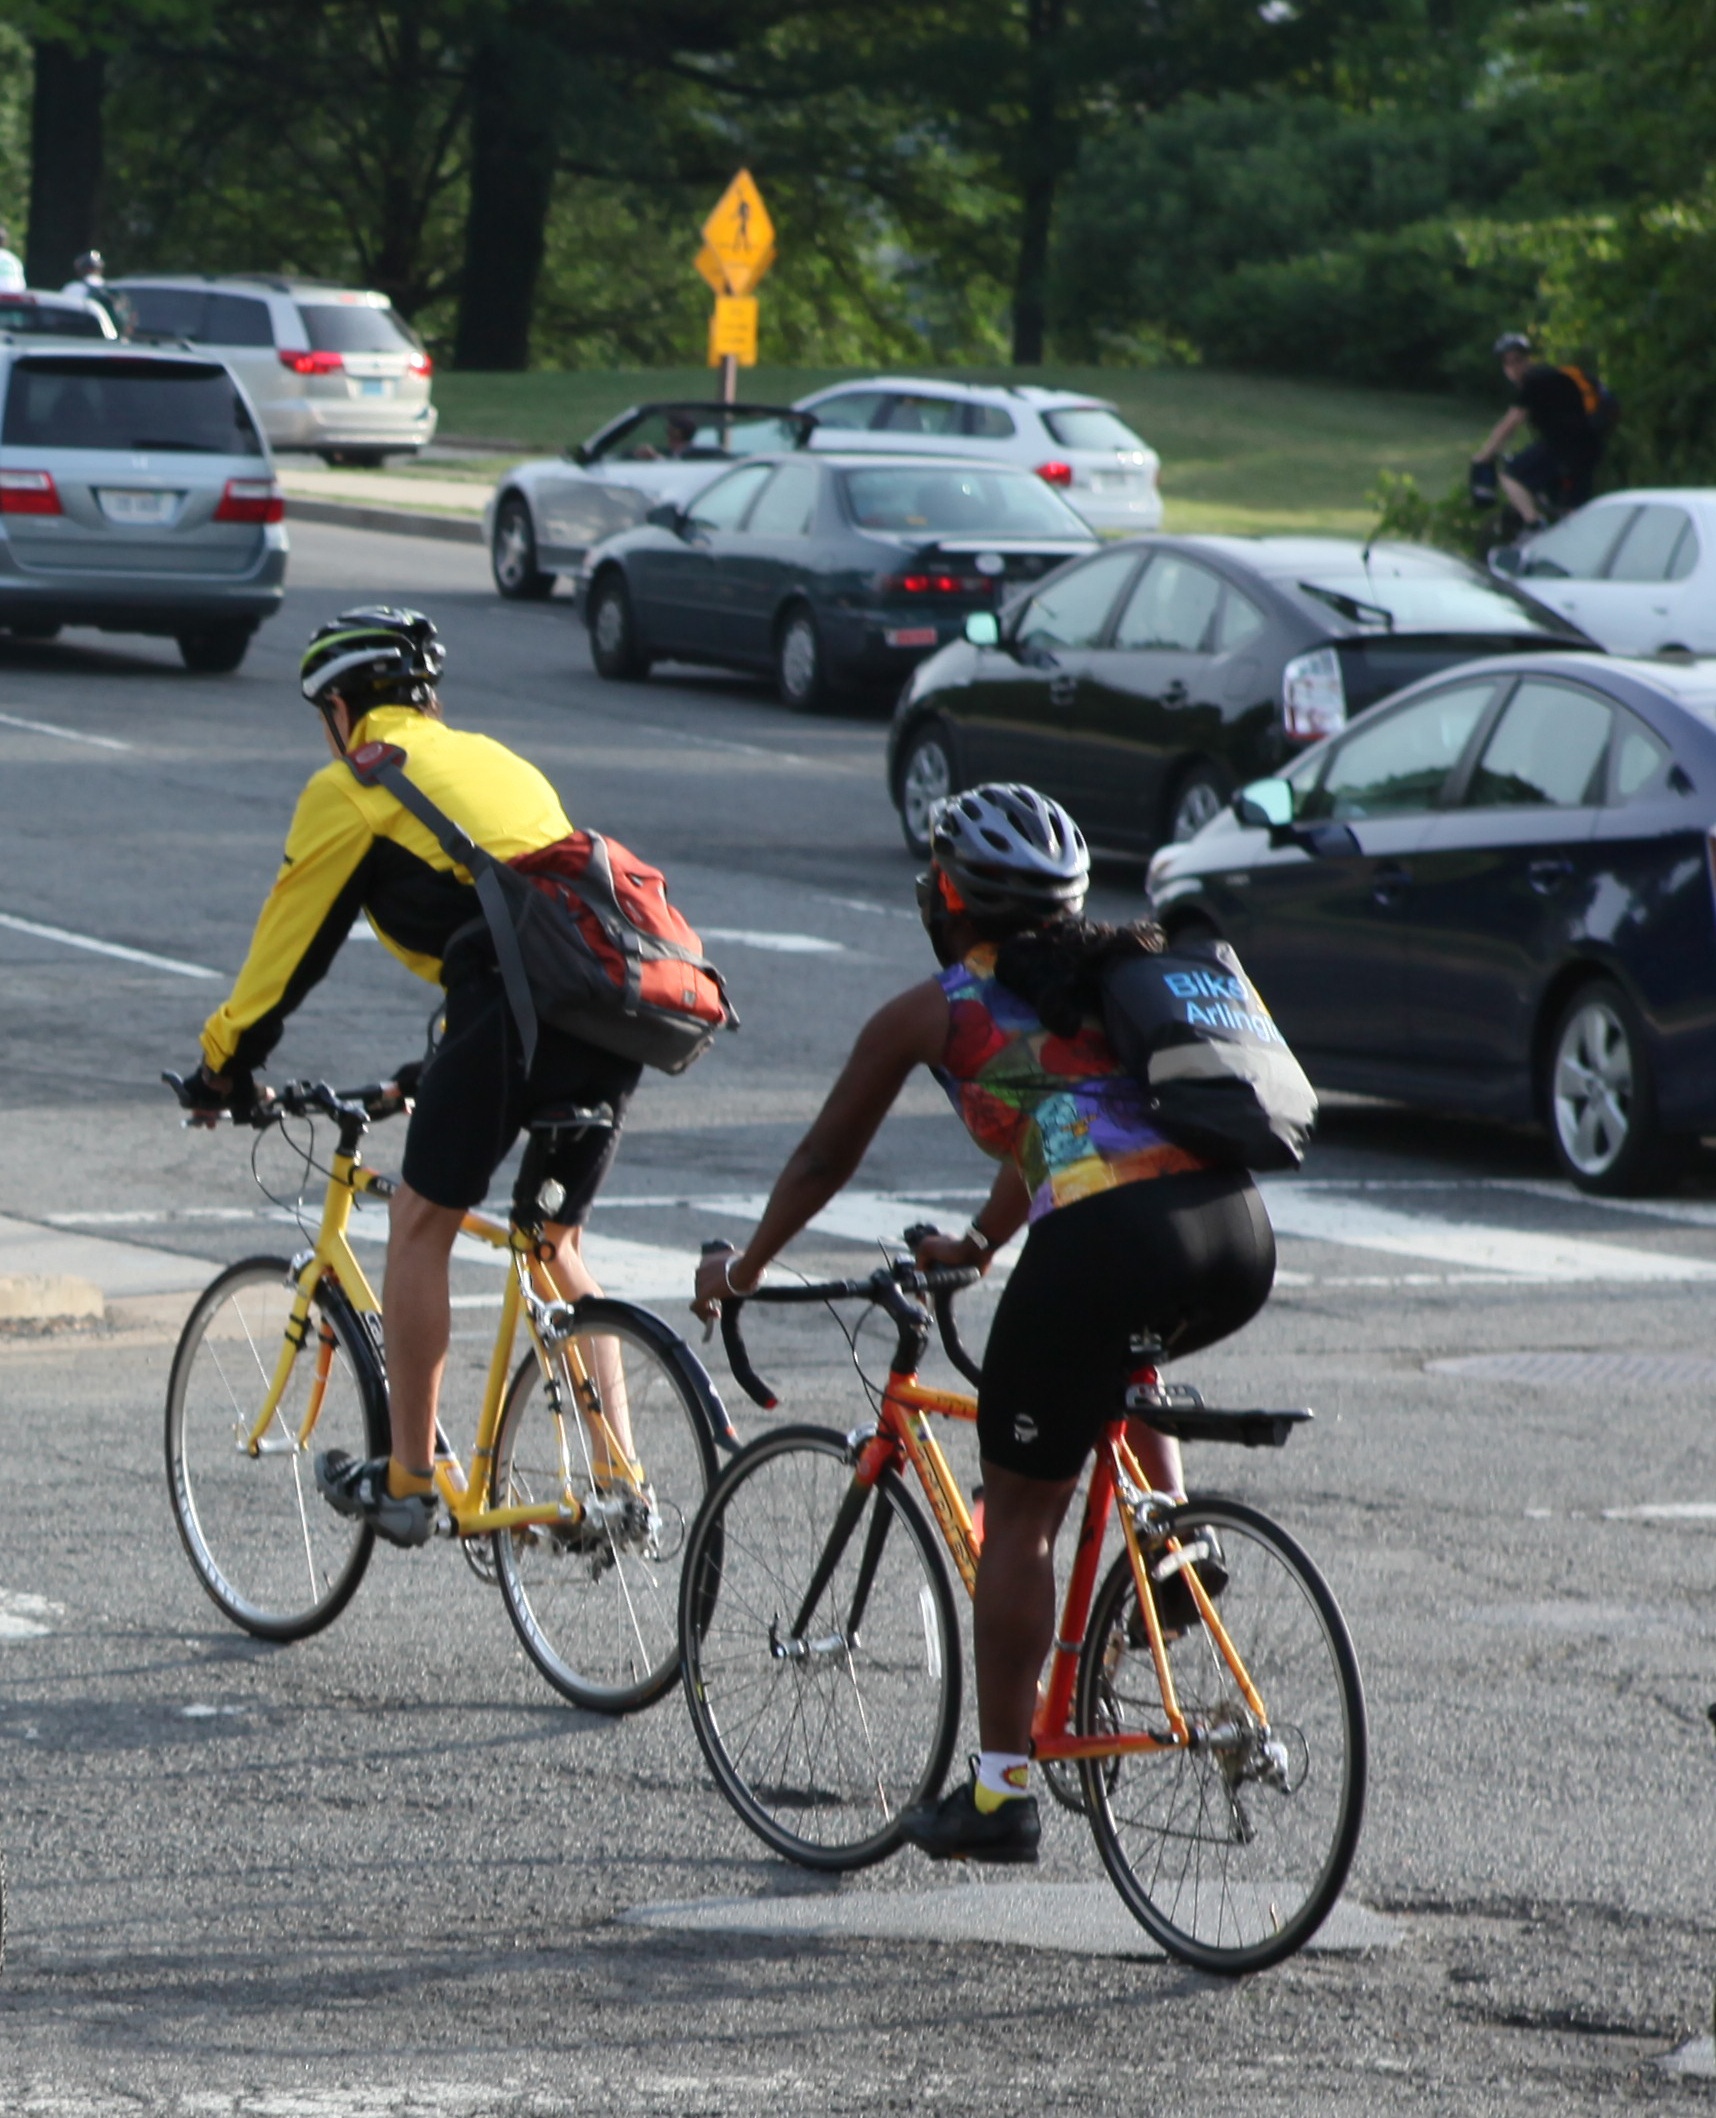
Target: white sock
x=1004, y=1774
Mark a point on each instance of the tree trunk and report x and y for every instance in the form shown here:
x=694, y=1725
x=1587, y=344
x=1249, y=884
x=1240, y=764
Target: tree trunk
x=1038, y=174
x=65, y=160
x=514, y=141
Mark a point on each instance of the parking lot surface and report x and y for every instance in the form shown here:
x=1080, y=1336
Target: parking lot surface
x=386, y=1870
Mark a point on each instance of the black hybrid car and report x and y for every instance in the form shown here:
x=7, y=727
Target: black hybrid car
x=1492, y=895
x=1141, y=686
x=829, y=572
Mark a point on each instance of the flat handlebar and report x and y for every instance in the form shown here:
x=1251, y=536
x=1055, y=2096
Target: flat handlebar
x=302, y=1099
x=891, y=1287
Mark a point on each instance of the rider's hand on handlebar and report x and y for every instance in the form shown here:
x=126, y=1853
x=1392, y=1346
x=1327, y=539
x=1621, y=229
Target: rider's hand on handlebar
x=938, y=1249
x=717, y=1278
x=210, y=1097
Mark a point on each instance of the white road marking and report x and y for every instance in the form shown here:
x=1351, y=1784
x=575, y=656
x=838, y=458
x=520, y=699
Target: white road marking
x=778, y=944
x=27, y=1617
x=66, y=735
x=107, y=948
x=1323, y=1216
x=1664, y=1511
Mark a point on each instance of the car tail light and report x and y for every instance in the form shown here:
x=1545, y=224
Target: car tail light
x=252, y=500
x=1055, y=473
x=1313, y=697
x=303, y=363
x=29, y=493
x=420, y=364
x=934, y=584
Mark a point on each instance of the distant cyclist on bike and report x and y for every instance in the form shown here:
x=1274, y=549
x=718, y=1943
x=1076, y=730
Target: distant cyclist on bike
x=1129, y=1233
x=372, y=674
x=1553, y=473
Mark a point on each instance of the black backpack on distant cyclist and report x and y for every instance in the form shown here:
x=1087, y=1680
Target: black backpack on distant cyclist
x=1190, y=1029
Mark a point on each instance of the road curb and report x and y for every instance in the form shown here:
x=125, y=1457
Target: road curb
x=49, y=1297
x=402, y=522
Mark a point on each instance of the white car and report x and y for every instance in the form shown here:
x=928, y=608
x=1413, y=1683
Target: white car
x=329, y=369
x=542, y=517
x=1635, y=570
x=25, y=314
x=1080, y=445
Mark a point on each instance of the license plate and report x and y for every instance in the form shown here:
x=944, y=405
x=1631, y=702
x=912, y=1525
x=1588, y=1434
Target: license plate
x=1114, y=481
x=911, y=636
x=375, y=389
x=136, y=510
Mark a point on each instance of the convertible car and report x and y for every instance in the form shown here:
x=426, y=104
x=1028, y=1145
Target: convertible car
x=544, y=516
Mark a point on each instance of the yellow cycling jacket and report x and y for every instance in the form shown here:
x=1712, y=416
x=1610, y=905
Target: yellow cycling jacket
x=354, y=848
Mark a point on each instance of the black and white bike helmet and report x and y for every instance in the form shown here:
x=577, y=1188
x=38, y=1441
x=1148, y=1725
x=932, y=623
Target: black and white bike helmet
x=1009, y=850
x=377, y=656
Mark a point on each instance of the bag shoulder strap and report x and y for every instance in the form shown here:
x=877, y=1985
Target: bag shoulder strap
x=383, y=765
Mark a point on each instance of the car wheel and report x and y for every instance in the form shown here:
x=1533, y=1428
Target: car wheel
x=355, y=459
x=1199, y=793
x=217, y=650
x=1598, y=1096
x=927, y=776
x=512, y=555
x=613, y=631
x=801, y=675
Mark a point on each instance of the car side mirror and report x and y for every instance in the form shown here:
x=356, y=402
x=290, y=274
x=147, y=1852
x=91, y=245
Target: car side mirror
x=665, y=515
x=1265, y=805
x=983, y=629
x=577, y=453
x=1507, y=559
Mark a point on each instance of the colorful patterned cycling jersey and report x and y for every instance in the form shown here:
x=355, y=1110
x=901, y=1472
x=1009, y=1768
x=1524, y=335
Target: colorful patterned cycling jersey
x=1058, y=1107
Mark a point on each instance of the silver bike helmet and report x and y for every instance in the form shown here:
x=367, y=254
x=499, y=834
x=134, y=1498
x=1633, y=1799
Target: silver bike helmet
x=1511, y=342
x=1010, y=851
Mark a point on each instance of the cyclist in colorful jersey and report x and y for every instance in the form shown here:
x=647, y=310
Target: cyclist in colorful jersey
x=1129, y=1233
x=351, y=847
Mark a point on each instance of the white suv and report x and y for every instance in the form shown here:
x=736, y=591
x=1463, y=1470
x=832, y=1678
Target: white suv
x=328, y=369
x=1080, y=445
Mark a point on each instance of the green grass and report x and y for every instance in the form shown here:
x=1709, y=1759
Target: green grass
x=1239, y=452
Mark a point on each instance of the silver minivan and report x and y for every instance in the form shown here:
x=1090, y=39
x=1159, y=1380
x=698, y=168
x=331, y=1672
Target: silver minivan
x=333, y=370
x=137, y=495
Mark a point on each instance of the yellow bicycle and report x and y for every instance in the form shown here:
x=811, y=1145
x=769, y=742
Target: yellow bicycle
x=589, y=1462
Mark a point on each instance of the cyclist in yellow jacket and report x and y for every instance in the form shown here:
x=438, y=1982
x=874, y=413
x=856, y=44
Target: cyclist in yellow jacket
x=372, y=674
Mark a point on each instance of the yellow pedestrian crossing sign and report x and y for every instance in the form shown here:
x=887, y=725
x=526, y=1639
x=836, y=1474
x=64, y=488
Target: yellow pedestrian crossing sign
x=741, y=235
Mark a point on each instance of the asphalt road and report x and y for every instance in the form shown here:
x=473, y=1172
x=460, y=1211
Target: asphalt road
x=385, y=1870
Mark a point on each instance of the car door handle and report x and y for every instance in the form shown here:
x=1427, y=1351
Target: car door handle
x=1063, y=689
x=1547, y=876
x=1389, y=881
x=1175, y=694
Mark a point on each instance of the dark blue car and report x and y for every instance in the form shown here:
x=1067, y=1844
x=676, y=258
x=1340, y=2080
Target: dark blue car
x=1493, y=894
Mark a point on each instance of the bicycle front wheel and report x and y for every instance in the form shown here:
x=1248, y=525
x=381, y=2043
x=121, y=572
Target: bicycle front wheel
x=265, y=1545
x=596, y=1603
x=1232, y=1852
x=821, y=1726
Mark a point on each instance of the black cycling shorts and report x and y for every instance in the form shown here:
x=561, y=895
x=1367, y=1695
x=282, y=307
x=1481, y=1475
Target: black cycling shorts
x=1188, y=1258
x=474, y=1099
x=1562, y=481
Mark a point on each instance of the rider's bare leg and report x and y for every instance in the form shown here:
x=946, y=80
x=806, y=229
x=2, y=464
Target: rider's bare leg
x=417, y=1321
x=1014, y=1616
x=1523, y=502
x=1158, y=1458
x=602, y=1355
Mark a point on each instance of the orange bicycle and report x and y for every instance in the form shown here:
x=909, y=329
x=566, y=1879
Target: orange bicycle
x=1202, y=1706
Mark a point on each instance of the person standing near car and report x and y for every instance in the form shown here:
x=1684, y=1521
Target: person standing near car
x=352, y=847
x=1553, y=473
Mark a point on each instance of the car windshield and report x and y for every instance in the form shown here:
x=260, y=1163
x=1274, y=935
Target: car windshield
x=1092, y=426
x=699, y=434
x=45, y=319
x=127, y=404
x=353, y=327
x=1381, y=601
x=923, y=500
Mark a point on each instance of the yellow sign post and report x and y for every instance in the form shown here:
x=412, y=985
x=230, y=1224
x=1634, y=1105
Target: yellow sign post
x=738, y=249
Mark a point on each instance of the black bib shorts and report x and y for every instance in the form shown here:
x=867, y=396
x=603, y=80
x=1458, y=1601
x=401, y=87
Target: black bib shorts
x=474, y=1099
x=1188, y=1258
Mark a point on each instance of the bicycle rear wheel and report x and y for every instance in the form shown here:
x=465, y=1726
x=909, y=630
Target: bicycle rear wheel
x=265, y=1545
x=597, y=1604
x=1231, y=1853
x=823, y=1736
